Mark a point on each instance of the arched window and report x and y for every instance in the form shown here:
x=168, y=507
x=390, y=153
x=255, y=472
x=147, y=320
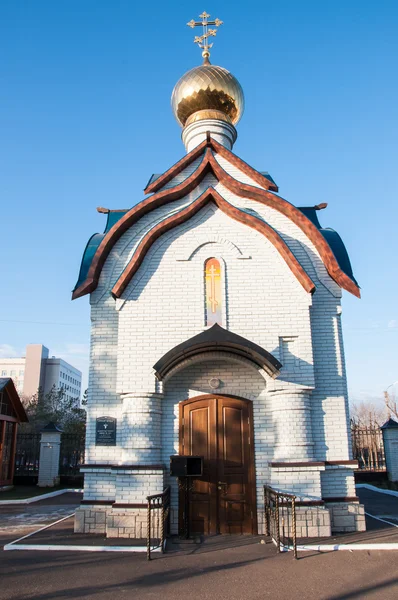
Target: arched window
x=213, y=292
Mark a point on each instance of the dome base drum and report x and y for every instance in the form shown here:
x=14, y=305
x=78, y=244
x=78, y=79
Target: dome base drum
x=196, y=132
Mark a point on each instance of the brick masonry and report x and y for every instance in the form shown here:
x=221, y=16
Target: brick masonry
x=50, y=445
x=347, y=516
x=302, y=416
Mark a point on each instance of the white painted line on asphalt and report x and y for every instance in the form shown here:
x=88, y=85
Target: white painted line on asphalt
x=36, y=531
x=335, y=547
x=44, y=547
x=368, y=486
x=58, y=547
x=381, y=519
x=41, y=497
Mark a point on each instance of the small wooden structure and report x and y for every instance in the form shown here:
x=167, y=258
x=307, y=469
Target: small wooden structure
x=11, y=413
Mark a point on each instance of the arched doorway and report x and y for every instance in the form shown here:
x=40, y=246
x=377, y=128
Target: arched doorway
x=220, y=428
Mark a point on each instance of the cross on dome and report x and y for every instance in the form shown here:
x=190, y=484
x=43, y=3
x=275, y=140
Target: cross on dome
x=202, y=40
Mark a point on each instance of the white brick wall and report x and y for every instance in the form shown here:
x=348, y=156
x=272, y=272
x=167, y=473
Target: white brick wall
x=99, y=484
x=173, y=291
x=338, y=481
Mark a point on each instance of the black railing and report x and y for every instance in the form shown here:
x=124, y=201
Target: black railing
x=368, y=447
x=280, y=519
x=71, y=454
x=27, y=455
x=158, y=525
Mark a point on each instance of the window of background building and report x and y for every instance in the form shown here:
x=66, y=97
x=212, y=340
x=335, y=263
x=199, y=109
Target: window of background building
x=12, y=373
x=3, y=373
x=21, y=373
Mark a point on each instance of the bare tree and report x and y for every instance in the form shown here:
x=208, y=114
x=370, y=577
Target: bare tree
x=391, y=406
x=368, y=414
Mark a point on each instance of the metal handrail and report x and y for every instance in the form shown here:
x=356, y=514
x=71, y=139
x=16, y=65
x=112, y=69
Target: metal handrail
x=280, y=518
x=160, y=503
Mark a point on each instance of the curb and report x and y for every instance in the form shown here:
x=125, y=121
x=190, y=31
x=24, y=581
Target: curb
x=41, y=497
x=336, y=547
x=14, y=545
x=373, y=488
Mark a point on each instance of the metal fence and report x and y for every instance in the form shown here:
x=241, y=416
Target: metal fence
x=368, y=447
x=71, y=454
x=27, y=455
x=280, y=519
x=158, y=525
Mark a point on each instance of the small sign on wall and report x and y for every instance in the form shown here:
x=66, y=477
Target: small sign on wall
x=105, y=431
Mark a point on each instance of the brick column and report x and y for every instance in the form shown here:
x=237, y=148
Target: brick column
x=140, y=472
x=291, y=415
x=141, y=429
x=50, y=444
x=390, y=440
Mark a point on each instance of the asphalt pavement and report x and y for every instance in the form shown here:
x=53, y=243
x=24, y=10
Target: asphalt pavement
x=222, y=571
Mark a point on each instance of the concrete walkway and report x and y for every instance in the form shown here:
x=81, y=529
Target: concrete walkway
x=19, y=519
x=379, y=504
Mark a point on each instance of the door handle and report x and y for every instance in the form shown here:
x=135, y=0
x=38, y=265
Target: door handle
x=221, y=484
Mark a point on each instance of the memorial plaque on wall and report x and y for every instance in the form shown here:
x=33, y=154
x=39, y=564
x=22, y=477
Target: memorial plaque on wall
x=105, y=431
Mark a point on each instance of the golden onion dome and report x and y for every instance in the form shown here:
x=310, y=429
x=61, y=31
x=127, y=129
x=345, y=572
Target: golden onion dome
x=207, y=92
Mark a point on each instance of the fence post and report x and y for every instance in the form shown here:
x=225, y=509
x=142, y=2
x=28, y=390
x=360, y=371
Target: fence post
x=390, y=439
x=50, y=443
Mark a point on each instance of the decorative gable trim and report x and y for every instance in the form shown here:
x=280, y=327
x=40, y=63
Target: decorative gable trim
x=210, y=195
x=222, y=151
x=294, y=214
x=210, y=165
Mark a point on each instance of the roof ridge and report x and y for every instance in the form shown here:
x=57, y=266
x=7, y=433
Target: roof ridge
x=212, y=144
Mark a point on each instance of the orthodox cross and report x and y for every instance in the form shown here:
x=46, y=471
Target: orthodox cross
x=213, y=274
x=203, y=40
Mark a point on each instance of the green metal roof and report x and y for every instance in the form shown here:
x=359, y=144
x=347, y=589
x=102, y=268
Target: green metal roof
x=335, y=242
x=94, y=242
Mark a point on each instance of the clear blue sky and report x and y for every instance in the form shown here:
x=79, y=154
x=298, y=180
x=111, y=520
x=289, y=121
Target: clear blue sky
x=85, y=119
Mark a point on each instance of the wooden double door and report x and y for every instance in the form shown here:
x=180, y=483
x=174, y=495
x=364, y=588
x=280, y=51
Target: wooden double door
x=219, y=428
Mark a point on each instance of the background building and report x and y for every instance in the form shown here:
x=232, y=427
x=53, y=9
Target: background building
x=36, y=370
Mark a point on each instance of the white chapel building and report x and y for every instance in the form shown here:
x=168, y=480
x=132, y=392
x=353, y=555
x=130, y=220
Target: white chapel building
x=216, y=331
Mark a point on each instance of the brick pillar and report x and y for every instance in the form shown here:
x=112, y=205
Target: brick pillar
x=291, y=415
x=140, y=473
x=50, y=444
x=141, y=429
x=390, y=439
